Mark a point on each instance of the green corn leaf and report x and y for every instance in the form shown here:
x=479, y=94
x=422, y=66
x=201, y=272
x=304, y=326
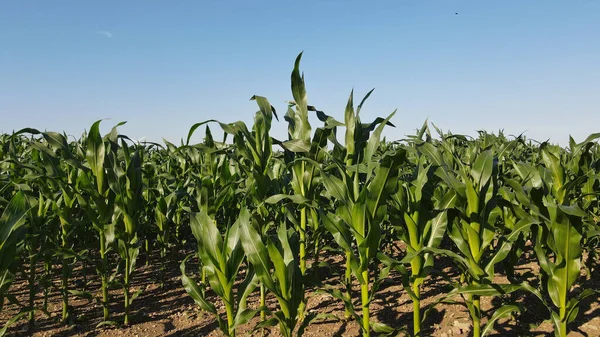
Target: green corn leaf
x=507, y=243
x=297, y=145
x=502, y=312
x=483, y=167
x=573, y=305
x=375, y=140
x=12, y=321
x=295, y=198
x=255, y=250
x=194, y=291
x=486, y=289
x=95, y=155
x=13, y=216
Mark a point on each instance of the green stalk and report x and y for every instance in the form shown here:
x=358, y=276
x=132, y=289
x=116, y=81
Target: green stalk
x=47, y=269
x=147, y=252
x=416, y=265
x=32, y=263
x=562, y=328
x=65, y=273
x=417, y=311
x=302, y=258
x=163, y=256
x=202, y=277
x=315, y=220
x=103, y=276
x=303, y=240
x=84, y=269
x=348, y=282
x=477, y=317
x=364, y=292
x=126, y=289
x=262, y=301
x=230, y=314
x=65, y=292
x=348, y=276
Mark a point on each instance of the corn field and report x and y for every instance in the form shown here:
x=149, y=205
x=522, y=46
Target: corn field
x=256, y=215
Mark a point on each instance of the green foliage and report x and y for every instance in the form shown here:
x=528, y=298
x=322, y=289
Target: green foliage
x=262, y=211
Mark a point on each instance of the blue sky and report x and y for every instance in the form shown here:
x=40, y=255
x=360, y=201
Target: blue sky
x=520, y=66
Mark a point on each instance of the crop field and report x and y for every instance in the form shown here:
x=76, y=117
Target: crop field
x=334, y=231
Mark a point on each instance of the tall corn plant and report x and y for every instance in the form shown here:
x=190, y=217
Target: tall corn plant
x=305, y=176
x=302, y=174
x=361, y=182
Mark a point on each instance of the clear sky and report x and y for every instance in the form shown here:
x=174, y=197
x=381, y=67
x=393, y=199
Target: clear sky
x=520, y=66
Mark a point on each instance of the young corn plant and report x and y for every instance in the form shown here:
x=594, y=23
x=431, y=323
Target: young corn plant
x=59, y=184
x=221, y=256
x=43, y=224
x=360, y=195
x=163, y=215
x=585, y=164
x=253, y=151
x=475, y=229
x=31, y=175
x=37, y=228
x=98, y=200
x=558, y=238
x=125, y=181
x=277, y=266
x=12, y=234
x=421, y=206
x=305, y=181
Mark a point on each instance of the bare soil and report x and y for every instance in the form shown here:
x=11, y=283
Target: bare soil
x=169, y=311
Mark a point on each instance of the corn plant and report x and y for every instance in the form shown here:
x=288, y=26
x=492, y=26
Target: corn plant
x=280, y=254
x=41, y=175
x=558, y=238
x=125, y=180
x=253, y=153
x=475, y=228
x=585, y=164
x=57, y=186
x=163, y=215
x=305, y=176
x=12, y=234
x=422, y=215
x=98, y=200
x=221, y=256
x=305, y=181
x=360, y=201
